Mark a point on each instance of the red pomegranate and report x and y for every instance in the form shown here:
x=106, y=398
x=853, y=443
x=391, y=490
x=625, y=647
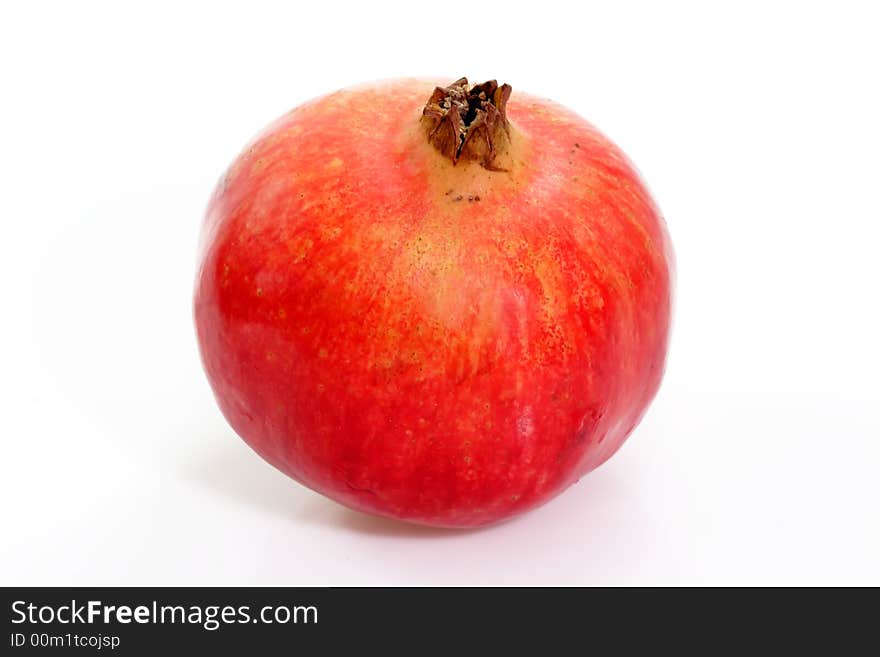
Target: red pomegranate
x=443, y=305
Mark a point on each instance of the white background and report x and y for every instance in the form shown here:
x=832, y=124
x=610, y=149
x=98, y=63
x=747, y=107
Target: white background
x=756, y=127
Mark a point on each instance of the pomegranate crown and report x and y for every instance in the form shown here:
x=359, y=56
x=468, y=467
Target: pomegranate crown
x=469, y=123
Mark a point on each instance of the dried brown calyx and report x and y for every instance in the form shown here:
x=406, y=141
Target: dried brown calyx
x=469, y=123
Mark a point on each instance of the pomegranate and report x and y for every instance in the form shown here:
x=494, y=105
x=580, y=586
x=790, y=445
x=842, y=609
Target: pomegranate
x=443, y=305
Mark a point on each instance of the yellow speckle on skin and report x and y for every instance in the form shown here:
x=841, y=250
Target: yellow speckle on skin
x=322, y=353
x=335, y=163
x=299, y=250
x=331, y=233
x=259, y=165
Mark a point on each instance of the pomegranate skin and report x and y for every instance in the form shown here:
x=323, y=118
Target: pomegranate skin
x=443, y=344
